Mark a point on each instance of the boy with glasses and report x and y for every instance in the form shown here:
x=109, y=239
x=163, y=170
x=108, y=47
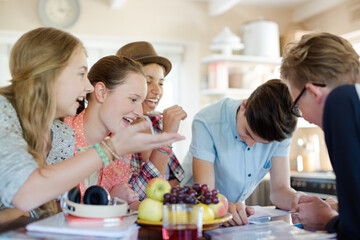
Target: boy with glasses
x=294, y=109
x=314, y=69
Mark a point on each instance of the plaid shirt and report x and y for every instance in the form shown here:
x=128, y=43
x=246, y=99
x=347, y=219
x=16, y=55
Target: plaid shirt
x=143, y=172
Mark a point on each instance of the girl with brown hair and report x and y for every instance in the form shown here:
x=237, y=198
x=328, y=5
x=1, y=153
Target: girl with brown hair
x=119, y=90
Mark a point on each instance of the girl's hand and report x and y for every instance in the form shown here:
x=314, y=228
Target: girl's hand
x=240, y=214
x=172, y=117
x=125, y=192
x=134, y=205
x=139, y=120
x=131, y=139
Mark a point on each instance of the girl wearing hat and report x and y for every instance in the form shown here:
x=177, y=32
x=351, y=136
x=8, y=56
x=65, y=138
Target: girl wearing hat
x=49, y=76
x=161, y=161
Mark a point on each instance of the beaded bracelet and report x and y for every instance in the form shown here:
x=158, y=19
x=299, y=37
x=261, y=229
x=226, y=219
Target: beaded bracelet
x=111, y=146
x=111, y=151
x=118, y=171
x=163, y=150
x=100, y=151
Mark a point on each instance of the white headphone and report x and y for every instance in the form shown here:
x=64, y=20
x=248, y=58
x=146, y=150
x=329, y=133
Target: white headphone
x=97, y=203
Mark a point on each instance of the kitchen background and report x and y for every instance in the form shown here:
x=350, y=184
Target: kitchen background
x=218, y=48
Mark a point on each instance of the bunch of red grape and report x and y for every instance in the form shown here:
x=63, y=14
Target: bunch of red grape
x=192, y=195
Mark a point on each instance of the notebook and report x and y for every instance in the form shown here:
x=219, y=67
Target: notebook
x=58, y=224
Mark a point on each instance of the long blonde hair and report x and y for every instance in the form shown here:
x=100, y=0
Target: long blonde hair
x=36, y=60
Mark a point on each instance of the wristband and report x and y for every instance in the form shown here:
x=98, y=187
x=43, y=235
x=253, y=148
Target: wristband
x=163, y=150
x=102, y=154
x=100, y=151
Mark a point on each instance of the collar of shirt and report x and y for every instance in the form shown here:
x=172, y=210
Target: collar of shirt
x=157, y=123
x=230, y=117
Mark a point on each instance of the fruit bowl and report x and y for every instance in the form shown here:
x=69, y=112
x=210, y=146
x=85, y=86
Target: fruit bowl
x=160, y=193
x=211, y=224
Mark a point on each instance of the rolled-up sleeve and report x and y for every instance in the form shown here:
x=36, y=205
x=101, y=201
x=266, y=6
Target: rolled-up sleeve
x=283, y=148
x=202, y=144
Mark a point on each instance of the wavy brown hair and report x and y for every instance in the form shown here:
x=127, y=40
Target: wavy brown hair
x=36, y=60
x=320, y=58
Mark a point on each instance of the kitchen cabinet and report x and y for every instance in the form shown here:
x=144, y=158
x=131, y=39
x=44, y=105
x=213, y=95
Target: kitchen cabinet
x=235, y=76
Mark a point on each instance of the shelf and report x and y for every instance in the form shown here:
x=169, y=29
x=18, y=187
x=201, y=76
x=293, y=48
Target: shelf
x=241, y=59
x=229, y=91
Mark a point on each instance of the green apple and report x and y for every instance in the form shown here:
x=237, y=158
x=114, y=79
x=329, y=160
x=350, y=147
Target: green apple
x=150, y=210
x=156, y=189
x=221, y=208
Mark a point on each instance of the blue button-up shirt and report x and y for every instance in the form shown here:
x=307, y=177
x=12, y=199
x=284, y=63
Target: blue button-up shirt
x=238, y=168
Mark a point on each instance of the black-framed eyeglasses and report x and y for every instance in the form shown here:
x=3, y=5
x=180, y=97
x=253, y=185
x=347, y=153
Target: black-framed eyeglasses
x=294, y=109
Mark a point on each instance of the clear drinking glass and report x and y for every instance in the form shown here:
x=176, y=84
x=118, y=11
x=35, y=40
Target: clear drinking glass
x=182, y=221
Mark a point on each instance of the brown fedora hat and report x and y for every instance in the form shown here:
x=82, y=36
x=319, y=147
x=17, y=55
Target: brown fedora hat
x=144, y=53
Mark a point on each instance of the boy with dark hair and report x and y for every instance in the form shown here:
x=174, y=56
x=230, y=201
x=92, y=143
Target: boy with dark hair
x=236, y=142
x=273, y=122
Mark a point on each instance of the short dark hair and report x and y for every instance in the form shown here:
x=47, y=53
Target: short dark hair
x=268, y=111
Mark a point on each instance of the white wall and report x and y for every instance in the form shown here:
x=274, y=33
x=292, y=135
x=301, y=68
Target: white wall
x=342, y=19
x=155, y=20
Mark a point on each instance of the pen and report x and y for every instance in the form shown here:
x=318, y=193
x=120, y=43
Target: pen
x=294, y=213
x=151, y=126
x=299, y=225
x=154, y=113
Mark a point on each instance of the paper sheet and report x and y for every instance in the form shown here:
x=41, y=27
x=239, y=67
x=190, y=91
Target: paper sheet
x=278, y=230
x=58, y=224
x=266, y=212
